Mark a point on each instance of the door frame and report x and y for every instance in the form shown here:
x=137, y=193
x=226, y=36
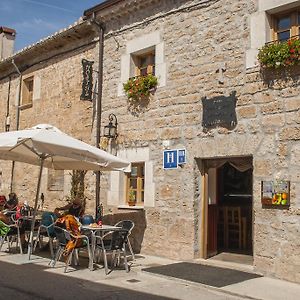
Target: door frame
x=204, y=210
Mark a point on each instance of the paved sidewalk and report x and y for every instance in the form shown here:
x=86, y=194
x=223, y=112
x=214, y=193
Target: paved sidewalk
x=142, y=282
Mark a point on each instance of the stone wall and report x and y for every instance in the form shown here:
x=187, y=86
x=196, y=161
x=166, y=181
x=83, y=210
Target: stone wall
x=198, y=36
x=197, y=42
x=59, y=104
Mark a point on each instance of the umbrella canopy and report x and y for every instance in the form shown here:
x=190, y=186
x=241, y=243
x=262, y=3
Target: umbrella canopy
x=58, y=150
x=45, y=145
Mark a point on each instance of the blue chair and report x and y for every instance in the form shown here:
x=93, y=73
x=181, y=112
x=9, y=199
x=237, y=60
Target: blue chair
x=87, y=220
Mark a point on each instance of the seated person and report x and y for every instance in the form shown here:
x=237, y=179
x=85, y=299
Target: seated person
x=13, y=230
x=74, y=208
x=12, y=202
x=2, y=201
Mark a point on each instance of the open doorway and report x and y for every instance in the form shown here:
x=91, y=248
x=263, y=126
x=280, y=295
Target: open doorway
x=229, y=206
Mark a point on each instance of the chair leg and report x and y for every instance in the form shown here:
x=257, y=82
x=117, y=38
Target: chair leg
x=91, y=265
x=130, y=248
x=2, y=241
x=36, y=241
x=105, y=261
x=113, y=257
x=19, y=241
x=76, y=257
x=57, y=257
x=68, y=261
x=51, y=246
x=125, y=260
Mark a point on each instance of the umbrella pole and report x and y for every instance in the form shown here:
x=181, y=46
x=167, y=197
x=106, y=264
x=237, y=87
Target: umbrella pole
x=30, y=244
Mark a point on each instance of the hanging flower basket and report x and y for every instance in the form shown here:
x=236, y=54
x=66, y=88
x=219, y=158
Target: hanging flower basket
x=281, y=54
x=137, y=88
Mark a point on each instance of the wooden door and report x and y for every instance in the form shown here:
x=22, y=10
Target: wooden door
x=212, y=213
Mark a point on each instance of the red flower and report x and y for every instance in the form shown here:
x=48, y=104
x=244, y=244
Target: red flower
x=292, y=50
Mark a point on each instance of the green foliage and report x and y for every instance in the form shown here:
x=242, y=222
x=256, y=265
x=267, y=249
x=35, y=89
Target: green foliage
x=132, y=195
x=281, y=54
x=139, y=87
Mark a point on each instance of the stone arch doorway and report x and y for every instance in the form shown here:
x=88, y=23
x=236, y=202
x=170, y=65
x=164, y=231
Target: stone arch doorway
x=228, y=201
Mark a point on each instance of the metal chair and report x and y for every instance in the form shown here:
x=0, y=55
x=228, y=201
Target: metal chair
x=63, y=236
x=11, y=234
x=111, y=243
x=128, y=225
x=46, y=231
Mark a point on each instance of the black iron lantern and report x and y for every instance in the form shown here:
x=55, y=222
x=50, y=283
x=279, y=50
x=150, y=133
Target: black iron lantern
x=110, y=130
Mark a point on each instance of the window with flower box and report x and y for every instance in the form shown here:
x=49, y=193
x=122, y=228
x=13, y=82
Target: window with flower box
x=135, y=184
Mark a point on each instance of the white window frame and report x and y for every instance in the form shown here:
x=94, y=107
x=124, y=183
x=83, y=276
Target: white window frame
x=260, y=27
x=140, y=45
x=36, y=91
x=116, y=195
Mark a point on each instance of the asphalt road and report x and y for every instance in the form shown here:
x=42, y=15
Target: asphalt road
x=32, y=282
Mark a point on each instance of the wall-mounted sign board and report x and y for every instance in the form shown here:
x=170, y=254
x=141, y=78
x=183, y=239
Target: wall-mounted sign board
x=219, y=111
x=87, y=81
x=173, y=158
x=275, y=193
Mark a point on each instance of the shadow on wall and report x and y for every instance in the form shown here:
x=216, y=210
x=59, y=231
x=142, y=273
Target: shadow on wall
x=137, y=234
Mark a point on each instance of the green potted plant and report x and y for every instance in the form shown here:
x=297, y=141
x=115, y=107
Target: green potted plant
x=132, y=197
x=280, y=54
x=139, y=87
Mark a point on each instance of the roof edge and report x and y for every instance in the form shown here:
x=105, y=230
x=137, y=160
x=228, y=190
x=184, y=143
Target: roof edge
x=101, y=6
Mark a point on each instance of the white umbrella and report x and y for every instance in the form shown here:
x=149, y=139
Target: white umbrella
x=45, y=145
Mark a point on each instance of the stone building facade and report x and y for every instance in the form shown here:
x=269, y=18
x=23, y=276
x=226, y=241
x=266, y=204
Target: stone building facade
x=203, y=50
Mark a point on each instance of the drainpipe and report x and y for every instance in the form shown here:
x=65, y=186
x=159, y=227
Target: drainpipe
x=100, y=30
x=17, y=120
x=7, y=118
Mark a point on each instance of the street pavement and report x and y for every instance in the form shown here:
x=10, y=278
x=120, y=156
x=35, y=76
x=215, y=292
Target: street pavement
x=34, y=279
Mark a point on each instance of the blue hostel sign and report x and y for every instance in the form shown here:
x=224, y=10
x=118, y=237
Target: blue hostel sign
x=173, y=158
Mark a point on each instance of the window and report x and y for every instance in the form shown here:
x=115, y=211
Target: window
x=27, y=91
x=144, y=54
x=136, y=182
x=55, y=180
x=273, y=20
x=286, y=26
x=144, y=64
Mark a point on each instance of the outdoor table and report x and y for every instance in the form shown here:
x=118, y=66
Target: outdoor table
x=100, y=229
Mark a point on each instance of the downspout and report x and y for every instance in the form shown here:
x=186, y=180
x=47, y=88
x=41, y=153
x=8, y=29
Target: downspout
x=7, y=117
x=17, y=120
x=19, y=95
x=100, y=29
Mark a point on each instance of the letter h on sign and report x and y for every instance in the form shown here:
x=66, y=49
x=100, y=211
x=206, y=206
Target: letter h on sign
x=170, y=159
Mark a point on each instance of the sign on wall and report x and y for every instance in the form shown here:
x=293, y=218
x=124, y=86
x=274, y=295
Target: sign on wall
x=219, y=111
x=87, y=81
x=275, y=193
x=173, y=158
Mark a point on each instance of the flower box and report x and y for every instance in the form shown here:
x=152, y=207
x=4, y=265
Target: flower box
x=137, y=88
x=280, y=54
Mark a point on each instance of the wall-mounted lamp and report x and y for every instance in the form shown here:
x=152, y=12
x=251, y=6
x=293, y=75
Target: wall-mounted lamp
x=110, y=130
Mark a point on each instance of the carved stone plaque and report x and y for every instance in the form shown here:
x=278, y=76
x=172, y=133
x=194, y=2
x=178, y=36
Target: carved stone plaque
x=219, y=111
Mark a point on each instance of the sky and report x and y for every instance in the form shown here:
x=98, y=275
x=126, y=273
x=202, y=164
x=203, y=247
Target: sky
x=37, y=19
